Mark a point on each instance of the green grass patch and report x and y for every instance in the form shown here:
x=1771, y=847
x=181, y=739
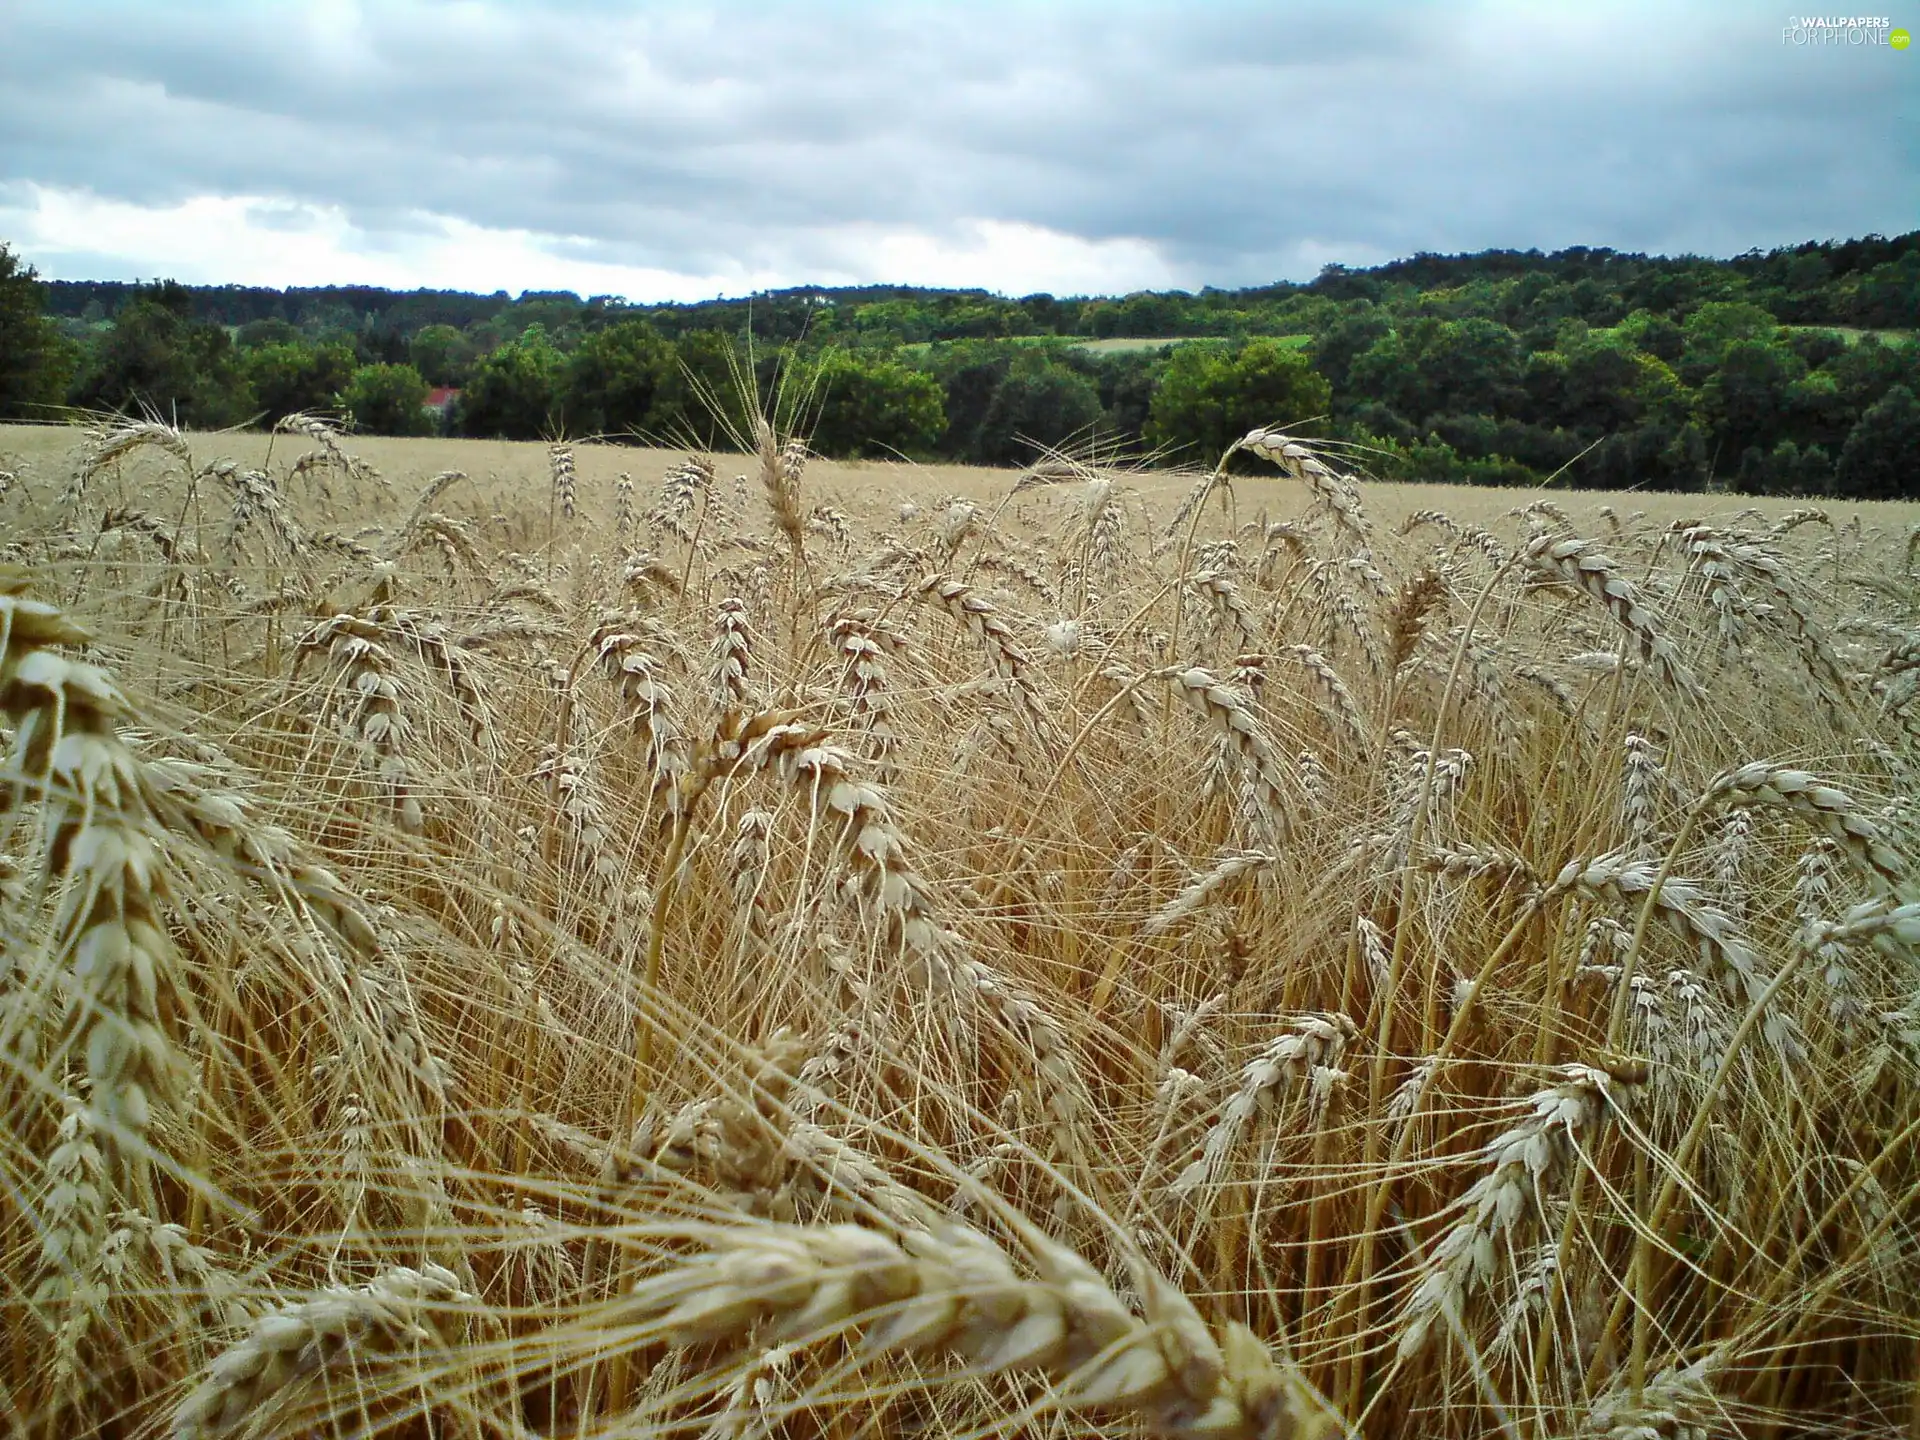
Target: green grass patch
x=1852, y=333
x=1122, y=344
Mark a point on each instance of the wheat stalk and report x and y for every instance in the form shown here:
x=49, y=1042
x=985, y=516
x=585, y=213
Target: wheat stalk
x=110, y=961
x=1581, y=564
x=337, y=1328
x=1520, y=1162
x=952, y=1289
x=1827, y=807
x=564, y=481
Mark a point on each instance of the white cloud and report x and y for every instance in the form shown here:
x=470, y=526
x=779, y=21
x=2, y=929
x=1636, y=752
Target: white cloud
x=262, y=240
x=1011, y=257
x=725, y=145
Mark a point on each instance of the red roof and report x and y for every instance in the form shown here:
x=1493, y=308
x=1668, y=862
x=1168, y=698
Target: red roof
x=441, y=396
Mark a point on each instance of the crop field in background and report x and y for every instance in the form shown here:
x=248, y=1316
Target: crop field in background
x=512, y=476
x=1852, y=333
x=1124, y=344
x=520, y=941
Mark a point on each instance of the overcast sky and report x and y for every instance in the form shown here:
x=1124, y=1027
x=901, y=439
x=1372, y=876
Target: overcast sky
x=682, y=150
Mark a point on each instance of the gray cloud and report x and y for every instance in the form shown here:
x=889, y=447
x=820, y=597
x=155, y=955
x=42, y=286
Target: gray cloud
x=1242, y=143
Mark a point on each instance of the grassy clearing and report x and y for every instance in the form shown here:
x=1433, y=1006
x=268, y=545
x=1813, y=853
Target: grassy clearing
x=1852, y=333
x=1120, y=345
x=511, y=942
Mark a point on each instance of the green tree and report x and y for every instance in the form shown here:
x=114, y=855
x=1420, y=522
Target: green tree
x=1888, y=295
x=616, y=376
x=1388, y=373
x=1817, y=414
x=870, y=406
x=1211, y=397
x=1344, y=341
x=286, y=378
x=1881, y=459
x=158, y=358
x=1604, y=387
x=1816, y=347
x=1745, y=402
x=706, y=376
x=1472, y=365
x=968, y=373
x=1442, y=366
x=271, y=331
x=1049, y=316
x=1715, y=328
x=1654, y=334
x=1151, y=314
x=34, y=363
x=1785, y=470
x=388, y=400
x=899, y=322
x=1127, y=382
x=1038, y=403
x=515, y=393
x=1871, y=368
x=442, y=354
x=1599, y=385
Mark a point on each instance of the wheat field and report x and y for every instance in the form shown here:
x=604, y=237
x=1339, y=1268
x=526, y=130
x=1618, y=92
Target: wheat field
x=514, y=941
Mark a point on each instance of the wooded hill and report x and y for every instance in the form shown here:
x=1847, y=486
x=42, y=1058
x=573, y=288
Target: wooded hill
x=1784, y=371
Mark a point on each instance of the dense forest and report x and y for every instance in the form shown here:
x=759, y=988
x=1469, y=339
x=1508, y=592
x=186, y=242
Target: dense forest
x=1792, y=371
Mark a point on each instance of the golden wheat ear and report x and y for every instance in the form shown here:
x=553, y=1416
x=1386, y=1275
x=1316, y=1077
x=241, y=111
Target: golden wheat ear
x=108, y=966
x=952, y=1289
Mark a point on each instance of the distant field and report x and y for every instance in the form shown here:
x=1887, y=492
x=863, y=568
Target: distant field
x=1852, y=333
x=509, y=476
x=1126, y=344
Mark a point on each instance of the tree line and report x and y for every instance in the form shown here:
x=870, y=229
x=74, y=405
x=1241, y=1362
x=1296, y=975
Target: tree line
x=1793, y=371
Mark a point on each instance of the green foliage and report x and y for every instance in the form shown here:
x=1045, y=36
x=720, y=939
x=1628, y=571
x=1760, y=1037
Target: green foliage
x=700, y=400
x=1715, y=328
x=35, y=364
x=1336, y=348
x=256, y=334
x=1785, y=470
x=1881, y=459
x=968, y=375
x=1037, y=404
x=617, y=376
x=1442, y=366
x=289, y=377
x=1145, y=313
x=559, y=318
x=1652, y=334
x=870, y=406
x=1744, y=400
x=1816, y=347
x=1002, y=401
x=1817, y=414
x=1127, y=383
x=1437, y=462
x=1869, y=369
x=157, y=359
x=388, y=400
x=1210, y=398
x=1597, y=367
x=1607, y=386
x=515, y=393
x=442, y=354
x=1887, y=295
